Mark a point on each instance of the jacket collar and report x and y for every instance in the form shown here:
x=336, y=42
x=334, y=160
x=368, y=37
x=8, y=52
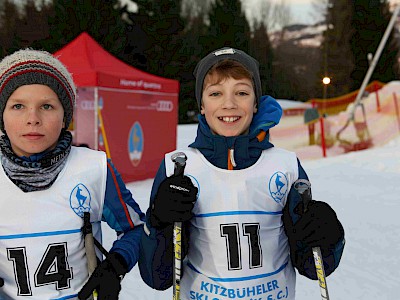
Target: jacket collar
x=246, y=148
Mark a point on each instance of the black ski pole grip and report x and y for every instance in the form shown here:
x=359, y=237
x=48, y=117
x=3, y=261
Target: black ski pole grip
x=303, y=186
x=179, y=160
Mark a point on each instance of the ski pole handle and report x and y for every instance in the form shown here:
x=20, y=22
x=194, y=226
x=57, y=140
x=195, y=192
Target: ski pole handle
x=303, y=186
x=179, y=160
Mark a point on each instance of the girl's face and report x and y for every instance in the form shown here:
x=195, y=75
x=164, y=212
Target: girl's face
x=33, y=119
x=229, y=105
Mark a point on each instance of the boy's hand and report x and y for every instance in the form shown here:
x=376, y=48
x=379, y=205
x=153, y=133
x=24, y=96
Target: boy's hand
x=318, y=226
x=174, y=201
x=106, y=279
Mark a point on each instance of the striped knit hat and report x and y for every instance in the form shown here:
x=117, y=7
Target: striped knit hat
x=29, y=66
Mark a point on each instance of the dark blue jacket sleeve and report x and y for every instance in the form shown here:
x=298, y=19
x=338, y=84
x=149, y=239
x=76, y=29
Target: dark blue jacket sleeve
x=302, y=257
x=156, y=249
x=123, y=214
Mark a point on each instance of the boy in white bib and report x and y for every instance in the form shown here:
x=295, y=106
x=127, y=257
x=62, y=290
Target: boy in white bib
x=245, y=228
x=48, y=185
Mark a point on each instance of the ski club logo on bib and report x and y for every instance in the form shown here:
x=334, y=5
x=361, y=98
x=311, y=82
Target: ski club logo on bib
x=278, y=186
x=80, y=199
x=135, y=144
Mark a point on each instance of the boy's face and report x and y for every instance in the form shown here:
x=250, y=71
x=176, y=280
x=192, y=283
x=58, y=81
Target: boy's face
x=229, y=105
x=33, y=119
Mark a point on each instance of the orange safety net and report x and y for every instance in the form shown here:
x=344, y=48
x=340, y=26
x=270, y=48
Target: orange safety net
x=333, y=106
x=373, y=126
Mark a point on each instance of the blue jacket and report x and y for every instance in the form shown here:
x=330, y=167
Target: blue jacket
x=156, y=250
x=116, y=201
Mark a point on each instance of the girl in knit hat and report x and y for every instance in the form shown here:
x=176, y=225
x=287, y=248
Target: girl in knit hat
x=48, y=186
x=241, y=202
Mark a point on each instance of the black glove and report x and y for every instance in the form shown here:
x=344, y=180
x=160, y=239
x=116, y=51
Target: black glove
x=317, y=227
x=106, y=278
x=173, y=202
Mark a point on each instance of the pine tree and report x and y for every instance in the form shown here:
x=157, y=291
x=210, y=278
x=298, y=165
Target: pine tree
x=261, y=49
x=190, y=54
x=33, y=27
x=9, y=21
x=100, y=19
x=228, y=26
x=337, y=59
x=370, y=20
x=161, y=25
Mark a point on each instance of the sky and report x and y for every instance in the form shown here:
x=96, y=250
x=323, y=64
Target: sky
x=302, y=11
x=363, y=188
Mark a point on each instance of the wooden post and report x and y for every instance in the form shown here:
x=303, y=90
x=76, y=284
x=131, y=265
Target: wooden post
x=323, y=143
x=396, y=106
x=311, y=133
x=311, y=116
x=378, y=105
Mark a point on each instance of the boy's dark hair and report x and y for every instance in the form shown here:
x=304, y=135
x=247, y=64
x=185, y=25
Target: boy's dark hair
x=228, y=68
x=222, y=54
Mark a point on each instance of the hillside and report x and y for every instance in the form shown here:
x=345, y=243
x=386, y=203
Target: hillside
x=299, y=35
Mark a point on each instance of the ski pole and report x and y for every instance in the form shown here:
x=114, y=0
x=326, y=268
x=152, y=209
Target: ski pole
x=89, y=246
x=179, y=160
x=303, y=186
x=319, y=266
x=90, y=242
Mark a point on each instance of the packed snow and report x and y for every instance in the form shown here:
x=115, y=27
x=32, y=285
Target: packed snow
x=363, y=187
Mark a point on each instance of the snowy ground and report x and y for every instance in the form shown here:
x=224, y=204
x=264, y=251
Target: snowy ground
x=363, y=187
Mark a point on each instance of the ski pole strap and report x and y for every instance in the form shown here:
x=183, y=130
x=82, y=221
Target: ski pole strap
x=87, y=229
x=100, y=247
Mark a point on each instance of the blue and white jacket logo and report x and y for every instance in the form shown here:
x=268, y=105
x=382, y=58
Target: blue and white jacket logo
x=278, y=186
x=80, y=199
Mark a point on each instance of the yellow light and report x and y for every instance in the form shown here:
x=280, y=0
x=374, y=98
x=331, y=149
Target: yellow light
x=326, y=80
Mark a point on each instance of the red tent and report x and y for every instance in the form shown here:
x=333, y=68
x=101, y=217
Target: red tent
x=130, y=114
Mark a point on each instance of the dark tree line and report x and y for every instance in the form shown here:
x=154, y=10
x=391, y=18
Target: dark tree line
x=168, y=37
x=354, y=30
